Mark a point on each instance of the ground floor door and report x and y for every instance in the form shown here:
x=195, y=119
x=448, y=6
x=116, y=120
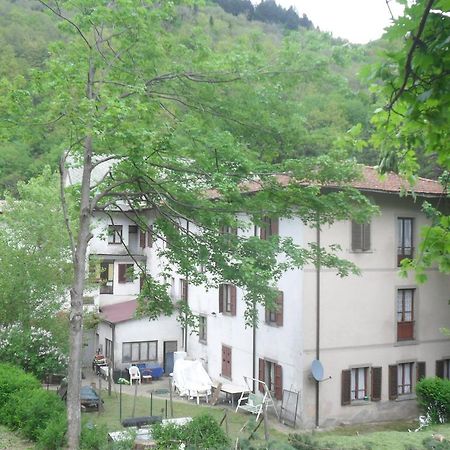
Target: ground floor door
x=170, y=347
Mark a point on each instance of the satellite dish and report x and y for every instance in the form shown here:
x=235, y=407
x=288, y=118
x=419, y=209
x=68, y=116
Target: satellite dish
x=317, y=370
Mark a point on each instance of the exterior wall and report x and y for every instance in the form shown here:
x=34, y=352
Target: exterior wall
x=358, y=324
x=164, y=329
x=278, y=344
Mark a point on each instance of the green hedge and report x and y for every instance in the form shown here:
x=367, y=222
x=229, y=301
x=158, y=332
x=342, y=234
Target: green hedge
x=433, y=395
x=13, y=380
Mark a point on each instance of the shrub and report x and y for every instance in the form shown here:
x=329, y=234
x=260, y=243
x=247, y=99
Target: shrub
x=94, y=437
x=432, y=444
x=202, y=432
x=53, y=436
x=433, y=396
x=35, y=350
x=13, y=380
x=31, y=411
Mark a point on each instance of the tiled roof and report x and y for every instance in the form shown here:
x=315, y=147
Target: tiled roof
x=119, y=312
x=393, y=183
x=371, y=181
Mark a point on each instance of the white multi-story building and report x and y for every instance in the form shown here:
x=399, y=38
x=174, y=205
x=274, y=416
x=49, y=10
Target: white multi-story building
x=375, y=334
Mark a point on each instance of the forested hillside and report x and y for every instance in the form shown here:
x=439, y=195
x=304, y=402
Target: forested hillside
x=314, y=93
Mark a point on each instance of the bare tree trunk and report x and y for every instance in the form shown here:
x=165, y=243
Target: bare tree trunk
x=76, y=293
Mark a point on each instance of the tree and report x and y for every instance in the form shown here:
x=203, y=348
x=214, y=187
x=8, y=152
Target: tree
x=128, y=92
x=34, y=254
x=415, y=119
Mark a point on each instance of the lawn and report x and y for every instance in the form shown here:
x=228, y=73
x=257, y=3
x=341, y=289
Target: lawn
x=10, y=441
x=388, y=436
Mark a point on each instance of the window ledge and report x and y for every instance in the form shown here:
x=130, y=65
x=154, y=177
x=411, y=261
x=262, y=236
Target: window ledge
x=362, y=251
x=360, y=402
x=404, y=397
x=202, y=341
x=403, y=343
x=273, y=324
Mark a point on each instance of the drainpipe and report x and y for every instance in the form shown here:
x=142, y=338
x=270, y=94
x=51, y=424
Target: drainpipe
x=187, y=302
x=317, y=313
x=254, y=335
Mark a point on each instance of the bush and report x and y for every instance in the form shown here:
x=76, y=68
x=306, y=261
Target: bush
x=31, y=411
x=53, y=437
x=12, y=381
x=35, y=350
x=94, y=437
x=202, y=432
x=433, y=396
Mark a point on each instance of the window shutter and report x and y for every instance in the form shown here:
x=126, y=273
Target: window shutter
x=233, y=299
x=141, y=281
x=346, y=387
x=376, y=384
x=274, y=226
x=278, y=382
x=357, y=243
x=224, y=360
x=263, y=230
x=267, y=314
x=280, y=309
x=420, y=370
x=122, y=273
x=142, y=235
x=261, y=374
x=366, y=236
x=393, y=384
x=150, y=236
x=440, y=368
x=221, y=287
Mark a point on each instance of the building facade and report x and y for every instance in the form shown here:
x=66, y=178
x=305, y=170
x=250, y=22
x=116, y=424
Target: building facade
x=375, y=334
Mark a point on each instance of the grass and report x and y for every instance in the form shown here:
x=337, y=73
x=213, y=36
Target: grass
x=385, y=436
x=10, y=440
x=109, y=416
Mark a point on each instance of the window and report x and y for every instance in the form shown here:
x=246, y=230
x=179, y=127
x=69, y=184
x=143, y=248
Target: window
x=227, y=299
x=126, y=274
x=405, y=247
x=402, y=379
x=146, y=237
x=202, y=329
x=443, y=368
x=226, y=362
x=405, y=314
x=271, y=374
x=108, y=348
x=361, y=383
x=269, y=227
x=183, y=290
x=106, y=277
x=275, y=316
x=114, y=234
x=360, y=237
x=139, y=351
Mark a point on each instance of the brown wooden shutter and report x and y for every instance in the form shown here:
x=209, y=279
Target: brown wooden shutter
x=278, y=382
x=420, y=370
x=393, y=383
x=142, y=236
x=376, y=384
x=224, y=360
x=346, y=387
x=280, y=309
x=357, y=243
x=141, y=281
x=221, y=287
x=233, y=299
x=122, y=273
x=261, y=374
x=366, y=236
x=150, y=236
x=274, y=226
x=263, y=229
x=440, y=368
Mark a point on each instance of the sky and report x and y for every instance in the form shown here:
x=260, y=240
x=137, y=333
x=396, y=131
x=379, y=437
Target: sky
x=359, y=21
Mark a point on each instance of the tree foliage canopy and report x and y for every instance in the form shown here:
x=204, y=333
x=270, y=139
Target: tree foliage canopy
x=415, y=118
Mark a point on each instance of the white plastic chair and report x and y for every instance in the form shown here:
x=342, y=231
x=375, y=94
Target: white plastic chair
x=135, y=374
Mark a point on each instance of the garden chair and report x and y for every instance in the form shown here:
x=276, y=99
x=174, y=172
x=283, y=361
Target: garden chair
x=135, y=374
